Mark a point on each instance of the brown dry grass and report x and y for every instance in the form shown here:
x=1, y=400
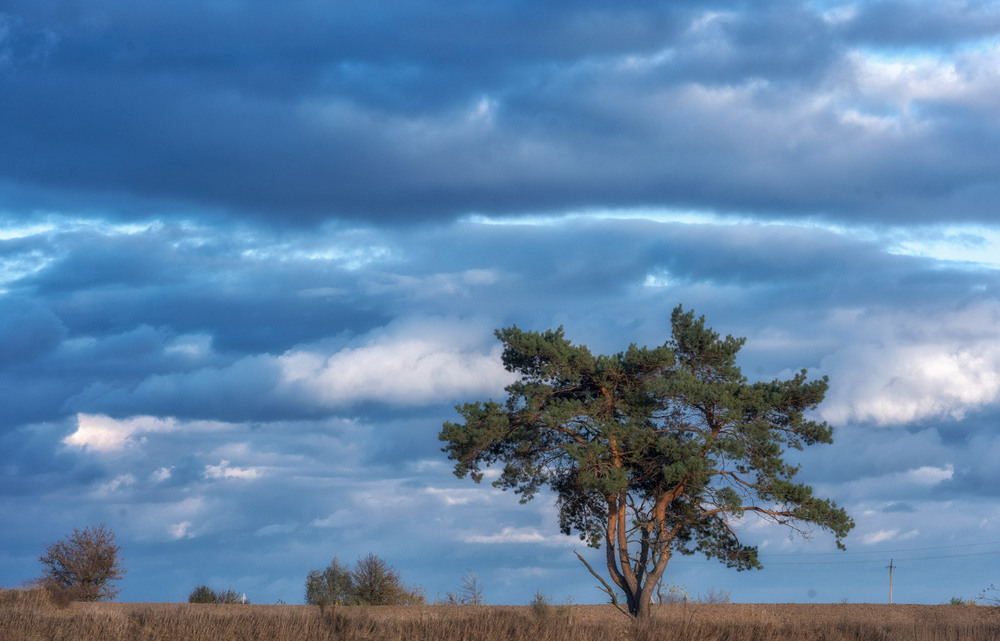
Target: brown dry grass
x=31, y=615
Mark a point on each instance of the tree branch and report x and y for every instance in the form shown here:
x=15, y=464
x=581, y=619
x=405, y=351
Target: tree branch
x=607, y=588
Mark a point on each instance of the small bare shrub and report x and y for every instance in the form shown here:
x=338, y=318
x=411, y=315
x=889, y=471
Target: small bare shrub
x=85, y=564
x=541, y=605
x=671, y=593
x=715, y=596
x=470, y=593
x=990, y=595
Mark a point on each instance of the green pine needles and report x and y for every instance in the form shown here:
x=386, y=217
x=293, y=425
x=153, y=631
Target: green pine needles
x=650, y=452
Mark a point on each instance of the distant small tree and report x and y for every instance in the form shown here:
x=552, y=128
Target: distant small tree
x=332, y=586
x=378, y=583
x=205, y=594
x=85, y=565
x=202, y=594
x=372, y=581
x=231, y=596
x=470, y=593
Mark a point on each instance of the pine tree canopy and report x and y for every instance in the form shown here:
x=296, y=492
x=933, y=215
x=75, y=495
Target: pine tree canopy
x=650, y=452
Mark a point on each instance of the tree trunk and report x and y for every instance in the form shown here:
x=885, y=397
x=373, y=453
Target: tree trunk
x=643, y=607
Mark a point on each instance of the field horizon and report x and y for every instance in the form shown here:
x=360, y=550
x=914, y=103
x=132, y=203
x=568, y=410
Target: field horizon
x=30, y=614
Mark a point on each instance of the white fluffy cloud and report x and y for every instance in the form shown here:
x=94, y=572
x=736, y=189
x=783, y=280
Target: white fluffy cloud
x=224, y=471
x=101, y=433
x=105, y=434
x=883, y=536
x=411, y=362
x=418, y=362
x=899, y=368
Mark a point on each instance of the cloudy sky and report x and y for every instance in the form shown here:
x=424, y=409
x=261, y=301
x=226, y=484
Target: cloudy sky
x=252, y=255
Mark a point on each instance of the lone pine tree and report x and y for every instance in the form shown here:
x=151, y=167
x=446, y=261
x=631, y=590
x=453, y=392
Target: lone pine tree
x=650, y=452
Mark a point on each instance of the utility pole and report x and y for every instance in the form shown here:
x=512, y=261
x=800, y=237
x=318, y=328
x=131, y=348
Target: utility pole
x=890, y=566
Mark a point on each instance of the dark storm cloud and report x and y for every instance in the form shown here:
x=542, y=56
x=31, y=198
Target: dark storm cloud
x=242, y=391
x=32, y=461
x=778, y=42
x=206, y=104
x=108, y=282
x=405, y=111
x=27, y=330
x=591, y=263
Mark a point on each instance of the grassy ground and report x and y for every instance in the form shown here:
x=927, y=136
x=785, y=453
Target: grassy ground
x=28, y=615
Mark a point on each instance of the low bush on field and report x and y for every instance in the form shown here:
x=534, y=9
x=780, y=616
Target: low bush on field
x=205, y=594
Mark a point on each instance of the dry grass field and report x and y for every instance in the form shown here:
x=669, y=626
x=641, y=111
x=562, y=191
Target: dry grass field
x=30, y=615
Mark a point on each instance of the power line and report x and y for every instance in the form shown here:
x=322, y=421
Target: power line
x=880, y=551
x=876, y=556
x=873, y=560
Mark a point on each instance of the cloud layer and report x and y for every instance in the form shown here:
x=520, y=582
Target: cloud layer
x=251, y=258
x=849, y=112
